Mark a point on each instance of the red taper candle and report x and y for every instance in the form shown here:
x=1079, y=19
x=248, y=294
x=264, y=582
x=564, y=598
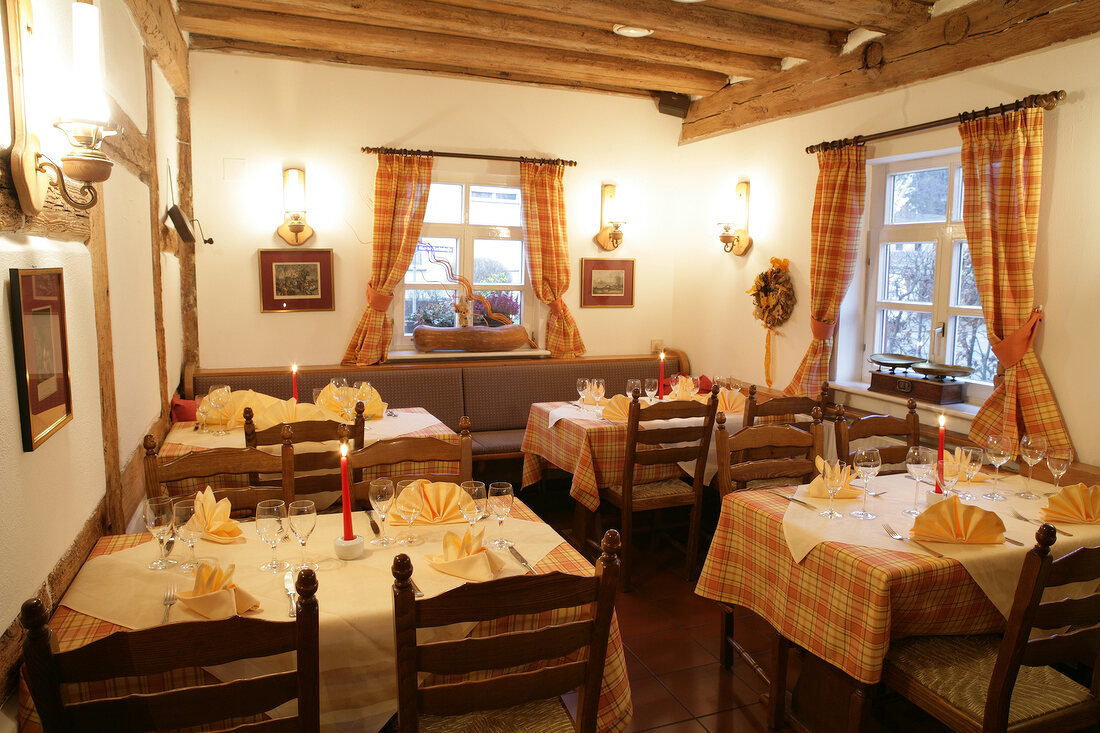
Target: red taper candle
x=345, y=493
x=294, y=380
x=939, y=464
x=661, y=381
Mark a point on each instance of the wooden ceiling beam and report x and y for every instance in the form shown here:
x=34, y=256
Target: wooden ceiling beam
x=693, y=24
x=974, y=35
x=438, y=17
x=427, y=48
x=156, y=21
x=878, y=15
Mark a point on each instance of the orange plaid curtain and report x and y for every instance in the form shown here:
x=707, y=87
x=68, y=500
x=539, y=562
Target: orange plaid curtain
x=1002, y=160
x=834, y=249
x=400, y=198
x=548, y=253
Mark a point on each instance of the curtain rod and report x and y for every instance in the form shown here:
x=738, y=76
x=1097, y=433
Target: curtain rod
x=472, y=156
x=1047, y=101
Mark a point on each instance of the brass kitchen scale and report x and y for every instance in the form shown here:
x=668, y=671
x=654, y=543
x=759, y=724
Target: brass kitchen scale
x=936, y=383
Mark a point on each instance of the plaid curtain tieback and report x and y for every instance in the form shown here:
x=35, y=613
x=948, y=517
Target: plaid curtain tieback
x=379, y=301
x=1013, y=346
x=821, y=330
x=556, y=305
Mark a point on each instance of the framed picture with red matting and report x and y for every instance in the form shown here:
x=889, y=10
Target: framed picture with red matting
x=607, y=283
x=296, y=280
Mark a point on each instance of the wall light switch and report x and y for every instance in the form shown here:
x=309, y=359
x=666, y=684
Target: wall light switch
x=656, y=346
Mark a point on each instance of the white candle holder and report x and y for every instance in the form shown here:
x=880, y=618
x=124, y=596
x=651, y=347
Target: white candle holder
x=348, y=549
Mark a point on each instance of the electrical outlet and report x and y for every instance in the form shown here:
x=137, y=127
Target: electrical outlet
x=656, y=346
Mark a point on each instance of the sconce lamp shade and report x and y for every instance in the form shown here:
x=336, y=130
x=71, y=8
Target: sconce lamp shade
x=294, y=229
x=738, y=241
x=87, y=102
x=610, y=235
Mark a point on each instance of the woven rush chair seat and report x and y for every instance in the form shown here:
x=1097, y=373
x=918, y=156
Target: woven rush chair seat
x=958, y=669
x=544, y=716
x=666, y=488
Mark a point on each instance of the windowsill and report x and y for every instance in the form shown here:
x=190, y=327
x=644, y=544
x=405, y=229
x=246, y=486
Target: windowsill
x=455, y=354
x=959, y=415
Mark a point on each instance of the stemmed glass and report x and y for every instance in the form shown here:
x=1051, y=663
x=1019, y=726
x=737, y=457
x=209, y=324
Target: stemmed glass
x=998, y=449
x=182, y=512
x=651, y=388
x=582, y=387
x=944, y=480
x=303, y=518
x=355, y=398
x=631, y=385
x=474, y=509
x=1058, y=461
x=1032, y=450
x=202, y=411
x=408, y=505
x=381, y=497
x=597, y=388
x=270, y=514
x=219, y=398
x=500, y=502
x=867, y=462
x=834, y=479
x=973, y=458
x=918, y=461
x=158, y=520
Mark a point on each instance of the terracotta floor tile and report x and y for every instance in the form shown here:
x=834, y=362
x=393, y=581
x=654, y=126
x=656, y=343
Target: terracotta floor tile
x=634, y=668
x=709, y=689
x=687, y=726
x=668, y=651
x=691, y=610
x=641, y=617
x=654, y=706
x=749, y=719
x=709, y=635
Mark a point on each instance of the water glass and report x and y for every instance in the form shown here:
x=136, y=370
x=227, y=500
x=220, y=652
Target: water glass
x=973, y=465
x=651, y=388
x=500, y=503
x=1058, y=460
x=381, y=498
x=158, y=520
x=219, y=398
x=473, y=510
x=920, y=463
x=187, y=530
x=631, y=385
x=270, y=515
x=598, y=389
x=867, y=462
x=202, y=410
x=1032, y=450
x=834, y=479
x=582, y=387
x=302, y=516
x=946, y=482
x=998, y=449
x=408, y=505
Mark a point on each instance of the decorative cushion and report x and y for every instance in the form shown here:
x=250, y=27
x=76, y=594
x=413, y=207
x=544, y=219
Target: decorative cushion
x=183, y=410
x=663, y=488
x=497, y=441
x=544, y=716
x=958, y=669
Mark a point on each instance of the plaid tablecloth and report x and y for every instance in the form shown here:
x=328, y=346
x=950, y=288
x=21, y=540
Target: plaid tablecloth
x=75, y=629
x=843, y=603
x=593, y=450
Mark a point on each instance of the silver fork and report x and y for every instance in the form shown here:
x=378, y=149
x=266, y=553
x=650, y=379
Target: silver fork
x=890, y=531
x=170, y=599
x=1022, y=518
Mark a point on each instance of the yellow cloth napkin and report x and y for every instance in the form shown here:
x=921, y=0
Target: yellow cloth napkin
x=731, y=401
x=683, y=389
x=616, y=409
x=465, y=557
x=957, y=464
x=441, y=503
x=373, y=406
x=1076, y=504
x=212, y=518
x=952, y=521
x=592, y=395
x=329, y=401
x=847, y=491
x=216, y=596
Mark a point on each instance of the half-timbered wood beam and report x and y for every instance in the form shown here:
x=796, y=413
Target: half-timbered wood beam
x=983, y=32
x=878, y=15
x=131, y=147
x=157, y=22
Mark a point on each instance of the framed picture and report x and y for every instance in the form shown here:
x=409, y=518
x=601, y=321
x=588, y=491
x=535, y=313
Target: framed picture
x=607, y=283
x=295, y=280
x=41, y=349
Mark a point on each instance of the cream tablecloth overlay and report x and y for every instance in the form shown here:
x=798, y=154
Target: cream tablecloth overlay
x=995, y=568
x=356, y=614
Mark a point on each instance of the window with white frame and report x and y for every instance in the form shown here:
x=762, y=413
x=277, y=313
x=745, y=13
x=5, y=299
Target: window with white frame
x=922, y=297
x=476, y=227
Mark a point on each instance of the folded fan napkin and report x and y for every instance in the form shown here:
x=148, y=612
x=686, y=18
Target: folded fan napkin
x=465, y=557
x=373, y=406
x=212, y=518
x=731, y=401
x=683, y=388
x=958, y=463
x=591, y=395
x=215, y=596
x=952, y=521
x=276, y=413
x=616, y=409
x=441, y=502
x=817, y=486
x=1076, y=504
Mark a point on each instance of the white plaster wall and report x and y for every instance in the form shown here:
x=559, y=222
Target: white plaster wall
x=124, y=56
x=167, y=153
x=274, y=113
x=49, y=493
x=173, y=320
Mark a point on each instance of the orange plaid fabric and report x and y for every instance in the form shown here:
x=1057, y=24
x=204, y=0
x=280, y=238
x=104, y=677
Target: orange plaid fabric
x=548, y=252
x=400, y=198
x=1002, y=161
x=834, y=250
x=843, y=603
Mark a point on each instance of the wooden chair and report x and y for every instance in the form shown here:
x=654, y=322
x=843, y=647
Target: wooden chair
x=906, y=429
x=749, y=454
x=523, y=700
x=174, y=646
x=396, y=451
x=643, y=448
x=784, y=411
x=991, y=683
x=207, y=464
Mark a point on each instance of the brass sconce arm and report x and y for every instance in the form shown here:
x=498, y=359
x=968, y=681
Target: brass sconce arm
x=91, y=196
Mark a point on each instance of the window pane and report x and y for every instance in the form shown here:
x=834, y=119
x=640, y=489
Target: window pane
x=423, y=270
x=957, y=204
x=507, y=303
x=428, y=308
x=498, y=261
x=971, y=348
x=444, y=204
x=495, y=206
x=910, y=271
x=906, y=332
x=916, y=197
x=966, y=287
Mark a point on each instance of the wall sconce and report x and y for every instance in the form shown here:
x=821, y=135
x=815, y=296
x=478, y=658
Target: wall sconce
x=738, y=241
x=294, y=228
x=86, y=123
x=610, y=235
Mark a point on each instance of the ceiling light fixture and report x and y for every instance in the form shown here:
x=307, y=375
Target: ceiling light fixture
x=631, y=31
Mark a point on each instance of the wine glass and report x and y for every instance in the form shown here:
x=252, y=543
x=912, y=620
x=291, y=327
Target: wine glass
x=1032, y=450
x=834, y=479
x=219, y=397
x=302, y=516
x=270, y=514
x=408, y=505
x=187, y=530
x=918, y=461
x=944, y=480
x=473, y=510
x=1058, y=460
x=158, y=520
x=651, y=388
x=381, y=497
x=597, y=388
x=355, y=398
x=867, y=462
x=973, y=458
x=582, y=387
x=631, y=385
x=998, y=449
x=500, y=502
x=202, y=410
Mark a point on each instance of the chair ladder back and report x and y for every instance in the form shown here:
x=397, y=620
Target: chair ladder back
x=784, y=407
x=503, y=650
x=878, y=426
x=307, y=431
x=761, y=452
x=506, y=597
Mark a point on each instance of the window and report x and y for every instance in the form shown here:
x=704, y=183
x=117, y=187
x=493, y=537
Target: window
x=922, y=296
x=476, y=228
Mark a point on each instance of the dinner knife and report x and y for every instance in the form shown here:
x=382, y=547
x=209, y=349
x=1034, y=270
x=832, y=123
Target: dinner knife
x=373, y=524
x=291, y=591
x=795, y=499
x=521, y=559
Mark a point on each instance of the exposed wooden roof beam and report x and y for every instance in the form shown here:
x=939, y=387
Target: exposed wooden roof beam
x=879, y=15
x=973, y=35
x=452, y=20
x=157, y=22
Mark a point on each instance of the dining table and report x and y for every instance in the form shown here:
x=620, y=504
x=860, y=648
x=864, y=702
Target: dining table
x=842, y=589
x=115, y=591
